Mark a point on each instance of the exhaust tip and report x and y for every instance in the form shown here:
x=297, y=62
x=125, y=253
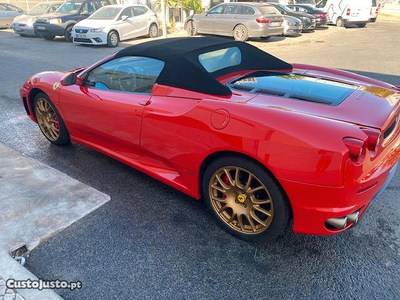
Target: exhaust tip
x=353, y=218
x=339, y=223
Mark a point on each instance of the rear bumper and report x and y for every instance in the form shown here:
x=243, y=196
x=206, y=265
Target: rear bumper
x=266, y=31
x=50, y=29
x=313, y=205
x=321, y=22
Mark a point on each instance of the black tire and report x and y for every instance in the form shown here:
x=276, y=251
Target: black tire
x=68, y=34
x=240, y=33
x=63, y=132
x=153, y=30
x=362, y=25
x=340, y=22
x=191, y=28
x=281, y=208
x=112, y=39
x=47, y=37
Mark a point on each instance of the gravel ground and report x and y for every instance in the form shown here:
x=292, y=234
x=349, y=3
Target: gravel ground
x=151, y=241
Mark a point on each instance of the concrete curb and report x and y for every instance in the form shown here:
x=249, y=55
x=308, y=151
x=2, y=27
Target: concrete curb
x=9, y=268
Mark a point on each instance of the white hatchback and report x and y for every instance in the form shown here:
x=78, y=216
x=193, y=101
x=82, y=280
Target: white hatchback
x=114, y=23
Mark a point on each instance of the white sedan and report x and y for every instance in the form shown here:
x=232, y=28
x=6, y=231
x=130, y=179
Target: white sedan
x=114, y=23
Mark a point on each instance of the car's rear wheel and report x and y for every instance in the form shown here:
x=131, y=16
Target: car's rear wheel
x=153, y=30
x=49, y=120
x=48, y=37
x=191, y=28
x=245, y=199
x=339, y=22
x=240, y=33
x=112, y=39
x=68, y=34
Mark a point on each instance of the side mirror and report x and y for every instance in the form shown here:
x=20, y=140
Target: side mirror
x=71, y=79
x=123, y=18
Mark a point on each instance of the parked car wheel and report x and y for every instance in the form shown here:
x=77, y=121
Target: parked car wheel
x=191, y=28
x=112, y=39
x=245, y=199
x=339, y=22
x=153, y=30
x=240, y=33
x=68, y=34
x=362, y=25
x=49, y=120
x=48, y=37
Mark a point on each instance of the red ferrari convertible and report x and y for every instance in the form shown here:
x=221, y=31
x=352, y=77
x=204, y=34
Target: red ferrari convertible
x=263, y=142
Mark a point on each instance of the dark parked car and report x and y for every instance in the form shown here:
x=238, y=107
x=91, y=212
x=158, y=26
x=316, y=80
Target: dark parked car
x=7, y=13
x=309, y=21
x=61, y=22
x=320, y=16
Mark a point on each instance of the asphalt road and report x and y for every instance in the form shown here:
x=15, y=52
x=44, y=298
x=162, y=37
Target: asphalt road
x=152, y=242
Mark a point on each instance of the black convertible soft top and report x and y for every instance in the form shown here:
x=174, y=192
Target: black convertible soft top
x=183, y=69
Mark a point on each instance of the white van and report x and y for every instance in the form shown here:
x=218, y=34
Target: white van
x=346, y=12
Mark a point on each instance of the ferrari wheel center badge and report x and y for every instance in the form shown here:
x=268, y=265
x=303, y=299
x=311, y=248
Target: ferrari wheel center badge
x=241, y=198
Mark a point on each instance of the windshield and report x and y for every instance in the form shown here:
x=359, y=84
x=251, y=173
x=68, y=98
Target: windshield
x=284, y=8
x=106, y=13
x=39, y=9
x=70, y=7
x=312, y=2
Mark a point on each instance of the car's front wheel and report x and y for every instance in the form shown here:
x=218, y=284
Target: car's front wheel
x=245, y=199
x=49, y=120
x=191, y=28
x=240, y=33
x=340, y=22
x=112, y=39
x=68, y=34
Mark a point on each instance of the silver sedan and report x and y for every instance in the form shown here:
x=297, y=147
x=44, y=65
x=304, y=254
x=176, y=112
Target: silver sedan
x=292, y=26
x=23, y=24
x=242, y=20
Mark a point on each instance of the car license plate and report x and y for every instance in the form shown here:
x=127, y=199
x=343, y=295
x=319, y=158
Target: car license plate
x=275, y=24
x=41, y=27
x=81, y=36
x=17, y=28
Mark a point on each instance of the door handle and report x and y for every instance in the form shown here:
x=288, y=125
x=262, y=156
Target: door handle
x=145, y=102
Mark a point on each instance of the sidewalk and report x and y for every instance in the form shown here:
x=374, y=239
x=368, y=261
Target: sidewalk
x=36, y=202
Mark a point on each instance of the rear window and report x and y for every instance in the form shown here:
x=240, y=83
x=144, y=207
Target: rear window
x=268, y=10
x=295, y=86
x=220, y=59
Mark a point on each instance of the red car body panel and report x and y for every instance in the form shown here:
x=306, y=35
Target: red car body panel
x=171, y=133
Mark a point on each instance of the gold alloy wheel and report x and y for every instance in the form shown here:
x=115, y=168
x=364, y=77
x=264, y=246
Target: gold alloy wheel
x=241, y=200
x=47, y=119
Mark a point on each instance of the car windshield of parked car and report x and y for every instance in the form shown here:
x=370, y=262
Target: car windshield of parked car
x=268, y=10
x=297, y=87
x=220, y=59
x=39, y=9
x=106, y=13
x=321, y=4
x=284, y=8
x=70, y=7
x=126, y=74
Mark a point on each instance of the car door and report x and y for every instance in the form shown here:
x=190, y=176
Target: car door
x=106, y=110
x=141, y=20
x=212, y=19
x=126, y=24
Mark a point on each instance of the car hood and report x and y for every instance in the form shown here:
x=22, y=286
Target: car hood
x=24, y=18
x=91, y=23
x=365, y=103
